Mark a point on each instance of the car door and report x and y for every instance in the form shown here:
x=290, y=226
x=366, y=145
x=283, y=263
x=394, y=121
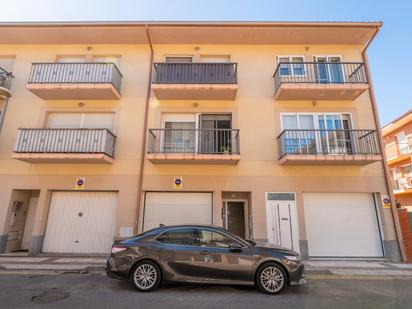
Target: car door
x=178, y=254
x=220, y=262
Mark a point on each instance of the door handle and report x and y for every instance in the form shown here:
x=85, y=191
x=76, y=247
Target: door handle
x=204, y=252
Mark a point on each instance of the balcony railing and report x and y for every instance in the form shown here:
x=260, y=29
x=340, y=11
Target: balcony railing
x=77, y=141
x=76, y=73
x=5, y=79
x=195, y=141
x=195, y=73
x=328, y=142
x=396, y=150
x=320, y=73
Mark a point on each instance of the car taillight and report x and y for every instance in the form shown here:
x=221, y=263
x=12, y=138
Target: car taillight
x=116, y=249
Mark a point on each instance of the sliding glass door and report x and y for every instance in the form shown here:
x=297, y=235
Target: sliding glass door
x=215, y=134
x=329, y=70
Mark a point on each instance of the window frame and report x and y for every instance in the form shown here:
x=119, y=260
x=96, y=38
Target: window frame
x=292, y=72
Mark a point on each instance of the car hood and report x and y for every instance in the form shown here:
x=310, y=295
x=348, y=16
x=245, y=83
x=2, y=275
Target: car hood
x=266, y=245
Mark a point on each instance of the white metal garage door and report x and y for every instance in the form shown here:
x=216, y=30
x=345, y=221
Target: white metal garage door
x=81, y=222
x=171, y=208
x=342, y=225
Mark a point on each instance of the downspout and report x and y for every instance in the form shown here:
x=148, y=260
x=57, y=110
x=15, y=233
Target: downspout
x=144, y=134
x=383, y=153
x=3, y=112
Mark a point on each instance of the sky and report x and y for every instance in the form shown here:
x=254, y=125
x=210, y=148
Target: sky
x=391, y=71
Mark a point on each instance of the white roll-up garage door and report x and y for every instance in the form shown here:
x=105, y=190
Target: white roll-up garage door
x=172, y=208
x=342, y=225
x=80, y=222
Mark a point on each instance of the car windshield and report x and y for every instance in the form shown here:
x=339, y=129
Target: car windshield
x=147, y=233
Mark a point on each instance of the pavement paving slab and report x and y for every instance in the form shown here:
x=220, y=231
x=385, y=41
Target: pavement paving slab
x=371, y=272
x=81, y=260
x=351, y=264
x=44, y=266
x=23, y=259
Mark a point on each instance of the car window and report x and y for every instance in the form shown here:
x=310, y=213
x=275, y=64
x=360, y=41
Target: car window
x=183, y=236
x=208, y=238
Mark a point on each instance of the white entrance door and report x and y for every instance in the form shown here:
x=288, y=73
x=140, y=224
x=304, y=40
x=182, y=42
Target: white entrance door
x=342, y=225
x=81, y=222
x=282, y=223
x=173, y=208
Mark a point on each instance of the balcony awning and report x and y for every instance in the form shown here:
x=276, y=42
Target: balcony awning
x=343, y=33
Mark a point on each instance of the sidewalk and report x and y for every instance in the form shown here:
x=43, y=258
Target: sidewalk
x=53, y=264
x=357, y=268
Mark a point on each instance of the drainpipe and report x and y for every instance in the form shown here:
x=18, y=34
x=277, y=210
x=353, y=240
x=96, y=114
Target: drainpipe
x=3, y=112
x=144, y=133
x=383, y=153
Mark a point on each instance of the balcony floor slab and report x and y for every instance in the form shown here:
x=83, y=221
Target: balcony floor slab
x=52, y=158
x=190, y=158
x=297, y=159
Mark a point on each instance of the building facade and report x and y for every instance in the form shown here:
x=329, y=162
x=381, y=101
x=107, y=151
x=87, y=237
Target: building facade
x=267, y=129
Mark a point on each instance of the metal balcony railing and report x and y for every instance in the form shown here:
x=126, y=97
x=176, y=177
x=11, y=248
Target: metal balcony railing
x=76, y=73
x=196, y=141
x=65, y=141
x=5, y=79
x=195, y=73
x=320, y=73
x=328, y=142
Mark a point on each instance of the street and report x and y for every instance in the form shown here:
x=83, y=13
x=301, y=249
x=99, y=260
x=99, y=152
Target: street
x=98, y=291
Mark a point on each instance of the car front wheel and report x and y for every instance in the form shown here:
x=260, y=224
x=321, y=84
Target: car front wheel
x=271, y=278
x=146, y=276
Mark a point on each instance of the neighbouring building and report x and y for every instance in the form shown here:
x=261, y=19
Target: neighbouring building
x=398, y=146
x=267, y=129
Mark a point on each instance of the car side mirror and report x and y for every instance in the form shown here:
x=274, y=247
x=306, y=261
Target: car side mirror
x=235, y=247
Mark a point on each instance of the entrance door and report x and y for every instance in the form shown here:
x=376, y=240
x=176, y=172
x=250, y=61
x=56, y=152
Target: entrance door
x=235, y=217
x=282, y=224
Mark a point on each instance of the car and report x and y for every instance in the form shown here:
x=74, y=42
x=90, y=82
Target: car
x=202, y=254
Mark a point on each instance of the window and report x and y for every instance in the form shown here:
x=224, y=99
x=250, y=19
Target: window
x=291, y=65
x=406, y=169
x=179, y=59
x=61, y=120
x=208, y=238
x=402, y=142
x=317, y=133
x=183, y=237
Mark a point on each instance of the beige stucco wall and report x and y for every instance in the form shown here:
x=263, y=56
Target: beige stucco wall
x=254, y=111
x=257, y=115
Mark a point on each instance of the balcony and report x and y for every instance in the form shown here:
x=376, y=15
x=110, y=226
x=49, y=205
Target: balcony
x=328, y=147
x=397, y=152
x=5, y=82
x=193, y=146
x=195, y=81
x=75, y=81
x=64, y=146
x=320, y=81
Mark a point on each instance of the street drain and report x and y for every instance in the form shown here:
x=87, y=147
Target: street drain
x=49, y=297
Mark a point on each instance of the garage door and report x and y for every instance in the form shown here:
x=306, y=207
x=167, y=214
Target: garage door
x=342, y=225
x=80, y=222
x=171, y=208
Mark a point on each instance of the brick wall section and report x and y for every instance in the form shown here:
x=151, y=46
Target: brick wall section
x=391, y=137
x=406, y=232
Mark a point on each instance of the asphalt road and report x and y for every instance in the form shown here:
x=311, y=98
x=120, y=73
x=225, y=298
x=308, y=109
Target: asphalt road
x=97, y=291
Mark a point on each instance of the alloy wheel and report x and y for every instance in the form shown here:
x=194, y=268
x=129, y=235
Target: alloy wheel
x=272, y=279
x=145, y=276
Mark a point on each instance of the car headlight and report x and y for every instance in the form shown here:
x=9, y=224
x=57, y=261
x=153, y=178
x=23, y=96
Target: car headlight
x=294, y=258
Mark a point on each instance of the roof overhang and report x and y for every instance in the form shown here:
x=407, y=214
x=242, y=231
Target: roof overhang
x=397, y=123
x=346, y=33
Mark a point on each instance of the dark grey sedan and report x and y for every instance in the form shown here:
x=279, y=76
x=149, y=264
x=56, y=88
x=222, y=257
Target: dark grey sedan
x=202, y=254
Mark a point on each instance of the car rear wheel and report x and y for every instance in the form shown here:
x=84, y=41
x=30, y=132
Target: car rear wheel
x=146, y=276
x=271, y=278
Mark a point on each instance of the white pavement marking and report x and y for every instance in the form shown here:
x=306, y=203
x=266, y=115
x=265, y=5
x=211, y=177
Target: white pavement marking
x=355, y=264
x=81, y=260
x=370, y=272
x=44, y=266
x=23, y=259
